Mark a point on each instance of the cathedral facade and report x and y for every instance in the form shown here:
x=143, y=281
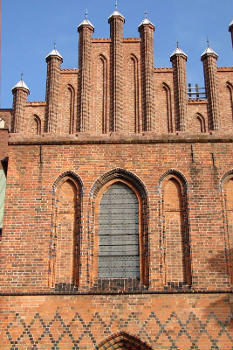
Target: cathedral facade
x=116, y=202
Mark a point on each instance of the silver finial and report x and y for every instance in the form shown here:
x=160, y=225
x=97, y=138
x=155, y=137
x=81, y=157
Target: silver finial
x=116, y=4
x=21, y=76
x=146, y=15
x=208, y=42
x=86, y=14
x=177, y=44
x=55, y=45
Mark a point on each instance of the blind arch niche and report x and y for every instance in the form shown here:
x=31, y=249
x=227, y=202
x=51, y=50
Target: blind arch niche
x=118, y=251
x=65, y=247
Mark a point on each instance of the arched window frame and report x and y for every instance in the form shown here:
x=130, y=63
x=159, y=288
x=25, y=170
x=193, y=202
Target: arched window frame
x=202, y=122
x=228, y=176
x=104, y=116
x=137, y=118
x=179, y=177
x=98, y=200
x=97, y=191
x=229, y=87
x=123, y=340
x=76, y=181
x=38, y=124
x=71, y=90
x=170, y=121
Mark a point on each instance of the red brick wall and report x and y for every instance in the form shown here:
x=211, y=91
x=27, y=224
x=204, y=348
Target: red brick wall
x=29, y=218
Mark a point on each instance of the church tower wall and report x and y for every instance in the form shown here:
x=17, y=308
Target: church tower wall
x=117, y=229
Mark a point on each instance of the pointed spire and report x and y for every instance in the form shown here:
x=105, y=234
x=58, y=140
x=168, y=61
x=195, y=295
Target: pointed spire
x=86, y=21
x=145, y=20
x=21, y=84
x=116, y=12
x=54, y=52
x=209, y=50
x=178, y=51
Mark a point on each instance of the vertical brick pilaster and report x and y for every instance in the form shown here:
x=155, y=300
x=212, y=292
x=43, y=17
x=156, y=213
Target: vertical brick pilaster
x=85, y=30
x=146, y=30
x=19, y=101
x=178, y=59
x=116, y=21
x=209, y=59
x=54, y=61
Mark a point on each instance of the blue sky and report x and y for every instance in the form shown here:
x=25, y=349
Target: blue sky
x=30, y=27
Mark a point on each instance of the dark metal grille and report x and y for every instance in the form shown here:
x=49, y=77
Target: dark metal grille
x=196, y=92
x=118, y=233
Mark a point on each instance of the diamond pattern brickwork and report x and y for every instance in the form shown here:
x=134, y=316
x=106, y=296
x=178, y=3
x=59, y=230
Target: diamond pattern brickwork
x=175, y=331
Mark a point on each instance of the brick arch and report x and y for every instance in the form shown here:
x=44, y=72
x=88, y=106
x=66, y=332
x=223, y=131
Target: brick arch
x=133, y=118
x=170, y=121
x=103, y=126
x=229, y=87
x=225, y=177
x=67, y=174
x=173, y=172
x=36, y=125
x=97, y=190
x=119, y=173
x=202, y=122
x=175, y=233
x=64, y=250
x=71, y=91
x=123, y=340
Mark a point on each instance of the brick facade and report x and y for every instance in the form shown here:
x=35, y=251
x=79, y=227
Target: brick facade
x=118, y=119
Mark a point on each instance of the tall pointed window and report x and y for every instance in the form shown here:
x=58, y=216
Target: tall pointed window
x=118, y=254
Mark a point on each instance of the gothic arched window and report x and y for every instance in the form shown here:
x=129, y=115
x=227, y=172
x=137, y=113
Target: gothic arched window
x=118, y=251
